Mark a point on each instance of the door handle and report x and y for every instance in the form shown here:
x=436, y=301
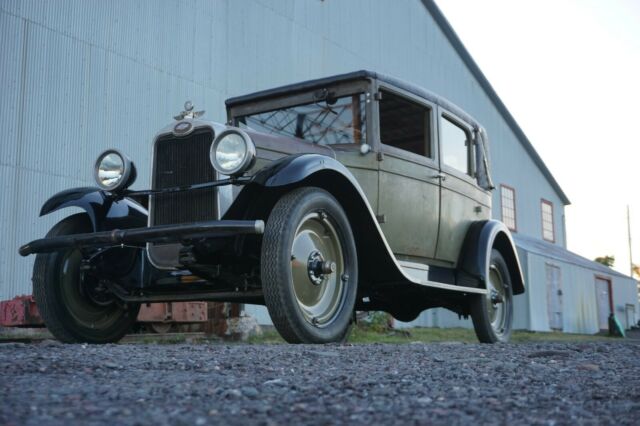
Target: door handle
x=440, y=176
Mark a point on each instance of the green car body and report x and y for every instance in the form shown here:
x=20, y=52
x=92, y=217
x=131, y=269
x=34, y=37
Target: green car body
x=357, y=191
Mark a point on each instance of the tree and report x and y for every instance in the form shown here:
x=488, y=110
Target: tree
x=636, y=270
x=606, y=260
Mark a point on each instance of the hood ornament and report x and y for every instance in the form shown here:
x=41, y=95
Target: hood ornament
x=188, y=112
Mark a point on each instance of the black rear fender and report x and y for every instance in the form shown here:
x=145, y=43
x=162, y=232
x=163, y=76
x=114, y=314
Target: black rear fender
x=482, y=237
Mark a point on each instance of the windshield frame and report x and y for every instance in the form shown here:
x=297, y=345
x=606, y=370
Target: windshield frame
x=338, y=90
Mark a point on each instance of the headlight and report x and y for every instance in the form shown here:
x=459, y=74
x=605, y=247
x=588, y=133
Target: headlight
x=232, y=152
x=114, y=171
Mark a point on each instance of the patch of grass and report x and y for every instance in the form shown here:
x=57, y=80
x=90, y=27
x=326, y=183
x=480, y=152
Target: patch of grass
x=361, y=334
x=22, y=334
x=157, y=340
x=168, y=339
x=556, y=336
x=269, y=336
x=364, y=334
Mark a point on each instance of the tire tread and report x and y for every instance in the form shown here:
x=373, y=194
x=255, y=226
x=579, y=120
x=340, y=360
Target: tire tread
x=275, y=260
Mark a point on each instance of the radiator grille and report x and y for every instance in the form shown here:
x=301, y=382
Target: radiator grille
x=183, y=161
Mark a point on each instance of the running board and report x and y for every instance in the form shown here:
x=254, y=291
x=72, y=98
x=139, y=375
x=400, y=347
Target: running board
x=418, y=273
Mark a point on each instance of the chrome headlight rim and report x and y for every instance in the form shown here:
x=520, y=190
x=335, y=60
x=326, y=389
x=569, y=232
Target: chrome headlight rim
x=128, y=171
x=248, y=159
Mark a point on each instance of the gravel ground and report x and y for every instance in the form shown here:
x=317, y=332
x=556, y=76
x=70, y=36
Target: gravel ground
x=542, y=383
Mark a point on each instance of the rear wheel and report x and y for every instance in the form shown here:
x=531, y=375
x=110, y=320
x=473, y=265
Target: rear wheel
x=71, y=302
x=492, y=314
x=309, y=267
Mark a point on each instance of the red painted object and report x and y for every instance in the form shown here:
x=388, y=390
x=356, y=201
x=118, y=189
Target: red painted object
x=183, y=312
x=21, y=311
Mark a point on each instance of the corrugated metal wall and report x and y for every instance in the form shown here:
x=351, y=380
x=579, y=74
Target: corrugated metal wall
x=80, y=76
x=580, y=313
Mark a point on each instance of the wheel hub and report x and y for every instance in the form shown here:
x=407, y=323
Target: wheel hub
x=96, y=292
x=317, y=267
x=496, y=297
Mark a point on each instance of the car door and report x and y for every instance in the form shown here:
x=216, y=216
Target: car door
x=462, y=201
x=408, y=200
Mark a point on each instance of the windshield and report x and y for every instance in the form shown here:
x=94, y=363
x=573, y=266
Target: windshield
x=329, y=122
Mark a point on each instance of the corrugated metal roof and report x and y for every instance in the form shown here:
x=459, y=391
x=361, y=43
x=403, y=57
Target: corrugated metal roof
x=455, y=41
x=553, y=251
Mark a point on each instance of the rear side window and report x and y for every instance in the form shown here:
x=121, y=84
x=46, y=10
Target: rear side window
x=454, y=142
x=405, y=124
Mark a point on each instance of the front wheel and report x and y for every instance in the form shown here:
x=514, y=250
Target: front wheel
x=72, y=303
x=309, y=267
x=492, y=314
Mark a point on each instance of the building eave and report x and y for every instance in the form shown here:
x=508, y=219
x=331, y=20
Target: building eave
x=457, y=44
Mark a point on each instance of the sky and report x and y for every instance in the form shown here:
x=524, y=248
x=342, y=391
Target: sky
x=569, y=72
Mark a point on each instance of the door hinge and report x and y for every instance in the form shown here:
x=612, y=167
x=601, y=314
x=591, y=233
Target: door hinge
x=380, y=156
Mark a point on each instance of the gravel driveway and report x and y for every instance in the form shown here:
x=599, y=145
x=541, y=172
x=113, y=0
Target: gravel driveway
x=49, y=383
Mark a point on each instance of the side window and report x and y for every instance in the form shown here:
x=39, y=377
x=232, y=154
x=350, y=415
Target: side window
x=508, y=202
x=454, y=142
x=405, y=124
x=548, y=232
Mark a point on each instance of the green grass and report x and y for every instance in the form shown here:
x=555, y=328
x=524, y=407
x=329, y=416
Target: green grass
x=363, y=333
x=16, y=335
x=366, y=335
x=536, y=336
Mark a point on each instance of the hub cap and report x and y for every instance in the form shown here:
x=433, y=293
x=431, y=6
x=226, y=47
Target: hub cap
x=317, y=269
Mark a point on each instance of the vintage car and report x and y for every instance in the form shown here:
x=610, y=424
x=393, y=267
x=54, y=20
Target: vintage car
x=317, y=199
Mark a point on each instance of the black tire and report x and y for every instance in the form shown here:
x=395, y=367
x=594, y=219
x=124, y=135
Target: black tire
x=303, y=224
x=492, y=314
x=62, y=295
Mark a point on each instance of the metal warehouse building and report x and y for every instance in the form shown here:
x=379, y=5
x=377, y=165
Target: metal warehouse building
x=82, y=76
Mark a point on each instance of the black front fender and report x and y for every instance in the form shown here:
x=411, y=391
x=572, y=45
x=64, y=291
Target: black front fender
x=104, y=210
x=296, y=168
x=482, y=237
x=256, y=200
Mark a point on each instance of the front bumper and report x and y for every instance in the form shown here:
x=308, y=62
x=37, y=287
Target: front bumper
x=141, y=236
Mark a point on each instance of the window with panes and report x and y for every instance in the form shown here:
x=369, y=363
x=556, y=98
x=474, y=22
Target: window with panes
x=548, y=231
x=508, y=204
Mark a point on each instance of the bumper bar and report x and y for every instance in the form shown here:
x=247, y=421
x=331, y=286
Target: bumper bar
x=141, y=236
